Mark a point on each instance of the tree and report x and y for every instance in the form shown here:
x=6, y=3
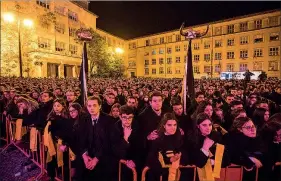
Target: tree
x=103, y=61
x=10, y=46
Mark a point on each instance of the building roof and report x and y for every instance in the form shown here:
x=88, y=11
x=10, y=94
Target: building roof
x=214, y=22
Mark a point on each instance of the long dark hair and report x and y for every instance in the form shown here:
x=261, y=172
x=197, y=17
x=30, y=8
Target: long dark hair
x=164, y=120
x=258, y=117
x=195, y=135
x=238, y=123
x=64, y=112
x=78, y=108
x=200, y=109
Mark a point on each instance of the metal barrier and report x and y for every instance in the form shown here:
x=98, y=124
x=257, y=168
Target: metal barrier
x=132, y=169
x=144, y=171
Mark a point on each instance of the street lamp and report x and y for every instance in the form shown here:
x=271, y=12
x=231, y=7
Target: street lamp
x=9, y=18
x=119, y=50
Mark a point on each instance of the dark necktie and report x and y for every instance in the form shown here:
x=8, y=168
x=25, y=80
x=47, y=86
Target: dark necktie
x=95, y=121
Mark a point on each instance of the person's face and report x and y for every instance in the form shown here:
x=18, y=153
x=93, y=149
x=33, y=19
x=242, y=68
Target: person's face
x=229, y=99
x=131, y=103
x=145, y=99
x=278, y=90
x=110, y=99
x=70, y=96
x=219, y=113
x=126, y=119
x=57, y=92
x=173, y=92
x=253, y=101
x=22, y=105
x=277, y=137
x=178, y=110
x=238, y=107
x=242, y=114
x=266, y=116
x=57, y=107
x=208, y=110
x=78, y=93
x=233, y=92
x=249, y=129
x=73, y=112
x=264, y=105
x=210, y=91
x=166, y=93
x=12, y=94
x=93, y=107
x=45, y=97
x=125, y=93
x=200, y=98
x=170, y=127
x=35, y=95
x=156, y=103
x=7, y=95
x=115, y=112
x=205, y=127
x=15, y=99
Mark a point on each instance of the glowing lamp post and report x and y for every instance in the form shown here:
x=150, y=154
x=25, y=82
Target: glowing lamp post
x=9, y=18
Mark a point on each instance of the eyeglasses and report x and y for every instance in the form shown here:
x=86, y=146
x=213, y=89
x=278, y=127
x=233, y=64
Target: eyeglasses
x=127, y=118
x=249, y=127
x=72, y=111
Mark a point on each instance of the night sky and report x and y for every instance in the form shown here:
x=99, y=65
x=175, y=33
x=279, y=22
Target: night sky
x=134, y=19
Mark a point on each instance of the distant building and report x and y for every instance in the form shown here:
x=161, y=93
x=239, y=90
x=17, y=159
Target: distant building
x=247, y=42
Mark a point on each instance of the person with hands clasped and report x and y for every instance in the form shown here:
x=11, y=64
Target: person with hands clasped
x=124, y=142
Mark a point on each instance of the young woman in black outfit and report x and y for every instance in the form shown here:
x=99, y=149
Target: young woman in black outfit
x=201, y=144
x=169, y=144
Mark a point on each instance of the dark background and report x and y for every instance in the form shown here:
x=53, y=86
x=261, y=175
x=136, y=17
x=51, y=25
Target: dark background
x=134, y=19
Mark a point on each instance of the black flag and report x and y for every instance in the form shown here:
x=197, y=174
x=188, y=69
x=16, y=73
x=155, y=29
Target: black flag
x=83, y=75
x=188, y=79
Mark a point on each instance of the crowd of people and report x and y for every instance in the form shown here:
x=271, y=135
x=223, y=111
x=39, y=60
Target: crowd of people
x=143, y=121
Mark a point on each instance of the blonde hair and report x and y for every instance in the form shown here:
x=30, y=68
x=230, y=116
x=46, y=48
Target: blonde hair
x=31, y=104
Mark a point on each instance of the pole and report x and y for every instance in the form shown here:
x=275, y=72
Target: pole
x=20, y=55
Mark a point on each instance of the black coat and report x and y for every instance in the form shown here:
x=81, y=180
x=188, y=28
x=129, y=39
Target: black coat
x=119, y=147
x=241, y=147
x=39, y=116
x=194, y=143
x=148, y=121
x=165, y=144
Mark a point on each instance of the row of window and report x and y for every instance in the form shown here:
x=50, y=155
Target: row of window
x=58, y=9
x=218, y=43
x=257, y=66
x=241, y=27
x=258, y=52
x=45, y=43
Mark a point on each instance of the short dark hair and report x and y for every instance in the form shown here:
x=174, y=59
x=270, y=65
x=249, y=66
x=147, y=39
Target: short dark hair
x=199, y=93
x=92, y=98
x=155, y=94
x=126, y=110
x=49, y=93
x=176, y=102
x=235, y=103
x=130, y=97
x=230, y=95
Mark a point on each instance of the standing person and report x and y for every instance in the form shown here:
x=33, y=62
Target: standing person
x=244, y=147
x=108, y=103
x=93, y=158
x=148, y=122
x=169, y=144
x=56, y=126
x=124, y=140
x=201, y=144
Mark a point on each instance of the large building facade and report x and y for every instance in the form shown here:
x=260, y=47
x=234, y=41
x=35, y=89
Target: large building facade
x=49, y=47
x=249, y=42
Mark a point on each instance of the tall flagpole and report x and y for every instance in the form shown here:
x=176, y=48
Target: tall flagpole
x=188, y=80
